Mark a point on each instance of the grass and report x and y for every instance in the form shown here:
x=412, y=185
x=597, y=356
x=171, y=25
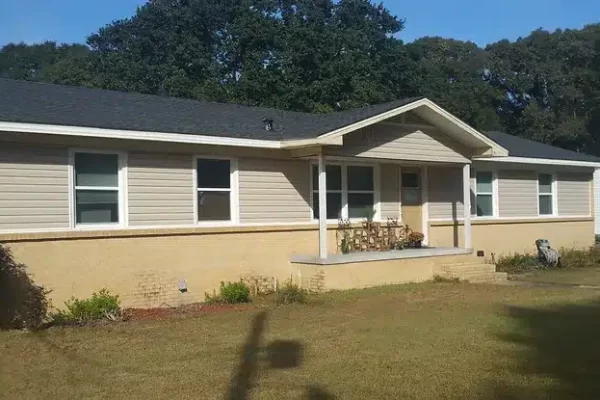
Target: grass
x=581, y=276
x=429, y=341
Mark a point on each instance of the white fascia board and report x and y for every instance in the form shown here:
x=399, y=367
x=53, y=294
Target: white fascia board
x=135, y=135
x=373, y=120
x=497, y=149
x=540, y=161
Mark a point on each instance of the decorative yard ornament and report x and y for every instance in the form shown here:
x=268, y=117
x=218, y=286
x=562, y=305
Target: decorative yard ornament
x=548, y=256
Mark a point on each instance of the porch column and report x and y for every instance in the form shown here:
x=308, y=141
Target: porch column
x=322, y=207
x=467, y=206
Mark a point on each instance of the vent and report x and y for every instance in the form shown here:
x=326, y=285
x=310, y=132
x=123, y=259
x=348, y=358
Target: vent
x=268, y=123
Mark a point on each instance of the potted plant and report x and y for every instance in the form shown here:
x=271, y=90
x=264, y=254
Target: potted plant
x=415, y=239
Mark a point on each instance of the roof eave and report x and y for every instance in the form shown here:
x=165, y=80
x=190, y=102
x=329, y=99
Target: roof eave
x=63, y=130
x=540, y=161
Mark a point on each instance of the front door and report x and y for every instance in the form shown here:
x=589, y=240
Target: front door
x=410, y=194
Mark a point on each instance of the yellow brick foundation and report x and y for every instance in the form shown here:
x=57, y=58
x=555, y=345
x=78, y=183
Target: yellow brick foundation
x=145, y=267
x=504, y=237
x=145, y=270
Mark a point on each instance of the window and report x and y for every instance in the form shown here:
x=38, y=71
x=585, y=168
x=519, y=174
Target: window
x=214, y=183
x=411, y=193
x=350, y=191
x=361, y=191
x=97, y=188
x=545, y=194
x=484, y=194
x=334, y=191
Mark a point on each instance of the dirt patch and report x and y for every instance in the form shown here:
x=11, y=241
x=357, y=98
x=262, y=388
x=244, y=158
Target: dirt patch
x=187, y=311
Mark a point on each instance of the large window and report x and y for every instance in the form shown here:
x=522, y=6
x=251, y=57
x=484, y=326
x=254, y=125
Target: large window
x=484, y=194
x=97, y=188
x=545, y=194
x=350, y=191
x=334, y=191
x=411, y=192
x=214, y=190
x=361, y=191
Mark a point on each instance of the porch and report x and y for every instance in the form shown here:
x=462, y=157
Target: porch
x=370, y=256
x=407, y=184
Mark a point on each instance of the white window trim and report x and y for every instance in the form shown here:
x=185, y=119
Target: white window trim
x=554, y=194
x=234, y=197
x=121, y=190
x=494, y=194
x=344, y=165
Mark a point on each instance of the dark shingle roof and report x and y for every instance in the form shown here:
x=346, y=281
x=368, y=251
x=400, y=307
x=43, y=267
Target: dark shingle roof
x=519, y=147
x=43, y=103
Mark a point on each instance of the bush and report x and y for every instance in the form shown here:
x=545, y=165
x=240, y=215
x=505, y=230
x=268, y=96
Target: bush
x=291, y=293
x=230, y=293
x=235, y=292
x=102, y=305
x=573, y=258
x=23, y=304
x=517, y=263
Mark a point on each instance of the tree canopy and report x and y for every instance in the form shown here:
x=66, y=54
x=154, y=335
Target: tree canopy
x=325, y=56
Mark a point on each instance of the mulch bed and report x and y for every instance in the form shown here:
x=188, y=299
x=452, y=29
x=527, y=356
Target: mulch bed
x=187, y=311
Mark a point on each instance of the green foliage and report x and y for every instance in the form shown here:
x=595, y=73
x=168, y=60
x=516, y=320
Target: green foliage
x=23, y=304
x=235, y=292
x=573, y=258
x=291, y=293
x=102, y=305
x=229, y=293
x=517, y=263
x=569, y=258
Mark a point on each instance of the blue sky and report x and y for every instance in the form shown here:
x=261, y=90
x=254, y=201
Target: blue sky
x=72, y=20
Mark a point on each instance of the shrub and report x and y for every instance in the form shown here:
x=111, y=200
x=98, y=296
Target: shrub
x=102, y=305
x=23, y=304
x=291, y=293
x=573, y=258
x=230, y=293
x=517, y=263
x=415, y=237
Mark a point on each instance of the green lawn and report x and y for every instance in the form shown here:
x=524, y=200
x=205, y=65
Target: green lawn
x=430, y=341
x=570, y=276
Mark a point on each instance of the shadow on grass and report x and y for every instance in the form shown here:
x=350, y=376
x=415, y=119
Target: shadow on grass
x=279, y=354
x=559, y=345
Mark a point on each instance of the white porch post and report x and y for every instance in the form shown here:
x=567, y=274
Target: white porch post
x=467, y=206
x=322, y=207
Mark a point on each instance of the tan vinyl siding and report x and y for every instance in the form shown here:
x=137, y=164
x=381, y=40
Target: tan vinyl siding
x=574, y=193
x=161, y=189
x=390, y=192
x=400, y=143
x=274, y=191
x=445, y=193
x=517, y=194
x=34, y=187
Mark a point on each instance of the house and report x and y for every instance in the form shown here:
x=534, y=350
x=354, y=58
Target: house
x=159, y=199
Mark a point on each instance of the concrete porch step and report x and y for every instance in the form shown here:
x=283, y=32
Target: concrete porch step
x=468, y=268
x=472, y=271
x=479, y=277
